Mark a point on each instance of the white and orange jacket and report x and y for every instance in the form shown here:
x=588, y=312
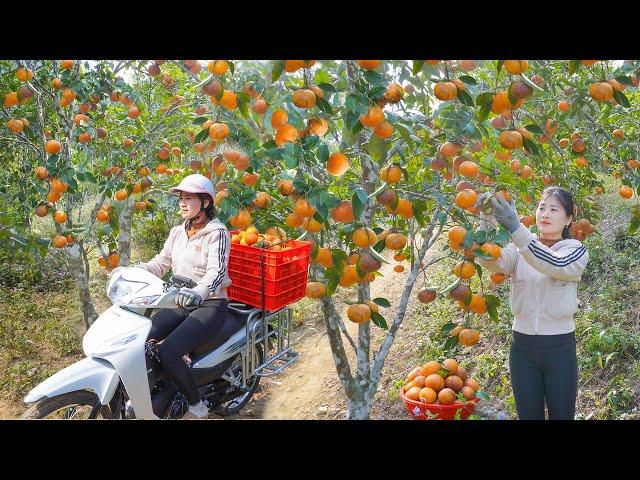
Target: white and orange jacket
x=544, y=282
x=204, y=258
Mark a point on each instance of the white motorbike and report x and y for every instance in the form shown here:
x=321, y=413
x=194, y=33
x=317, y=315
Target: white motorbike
x=122, y=378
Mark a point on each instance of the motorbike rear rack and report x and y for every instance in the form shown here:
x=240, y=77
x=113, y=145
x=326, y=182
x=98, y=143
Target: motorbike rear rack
x=274, y=331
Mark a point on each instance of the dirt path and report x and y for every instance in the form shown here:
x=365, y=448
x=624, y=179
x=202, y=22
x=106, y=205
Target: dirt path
x=309, y=388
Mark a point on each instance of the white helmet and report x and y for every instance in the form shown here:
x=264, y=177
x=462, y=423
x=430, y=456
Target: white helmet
x=195, y=183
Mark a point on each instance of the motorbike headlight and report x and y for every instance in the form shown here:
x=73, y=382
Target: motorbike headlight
x=118, y=288
x=143, y=301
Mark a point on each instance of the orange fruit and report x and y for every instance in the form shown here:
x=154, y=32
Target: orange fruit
x=466, y=199
x=60, y=217
x=373, y=117
x=434, y=381
x=469, y=336
x=364, y=237
x=391, y=174
x=429, y=368
x=516, y=67
x=427, y=395
x=60, y=241
x=343, y=212
x=359, y=312
x=427, y=295
x=464, y=269
x=453, y=382
x=337, y=164
x=446, y=396
x=498, y=277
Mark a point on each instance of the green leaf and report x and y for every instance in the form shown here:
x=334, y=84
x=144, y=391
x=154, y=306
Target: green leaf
x=465, y=98
x=530, y=146
x=536, y=130
x=499, y=66
x=621, y=98
x=450, y=344
x=479, y=236
x=447, y=327
x=200, y=120
x=528, y=82
x=290, y=161
x=573, y=66
x=374, y=252
x=323, y=152
x=327, y=87
x=323, y=105
x=278, y=67
x=417, y=66
x=202, y=136
x=493, y=303
x=442, y=218
x=377, y=149
x=635, y=220
x=332, y=285
x=482, y=395
x=358, y=200
x=484, y=112
x=379, y=320
x=372, y=77
x=406, y=135
x=468, y=80
x=352, y=105
x=625, y=80
x=484, y=99
x=383, y=302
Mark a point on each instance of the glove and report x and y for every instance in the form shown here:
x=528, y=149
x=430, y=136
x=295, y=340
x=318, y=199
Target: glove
x=505, y=213
x=186, y=297
x=483, y=203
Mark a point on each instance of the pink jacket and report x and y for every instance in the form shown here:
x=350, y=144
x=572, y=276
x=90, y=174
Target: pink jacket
x=544, y=282
x=203, y=258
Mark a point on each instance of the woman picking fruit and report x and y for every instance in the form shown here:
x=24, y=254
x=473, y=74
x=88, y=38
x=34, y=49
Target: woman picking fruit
x=545, y=270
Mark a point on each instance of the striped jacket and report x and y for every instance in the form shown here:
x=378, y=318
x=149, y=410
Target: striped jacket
x=204, y=258
x=544, y=282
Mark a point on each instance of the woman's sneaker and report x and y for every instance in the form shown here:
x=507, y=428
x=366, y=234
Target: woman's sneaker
x=196, y=412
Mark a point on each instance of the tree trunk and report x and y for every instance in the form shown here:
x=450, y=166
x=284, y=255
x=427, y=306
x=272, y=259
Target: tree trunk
x=79, y=269
x=125, y=222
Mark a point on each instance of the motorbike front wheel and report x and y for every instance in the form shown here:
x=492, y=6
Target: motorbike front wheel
x=76, y=405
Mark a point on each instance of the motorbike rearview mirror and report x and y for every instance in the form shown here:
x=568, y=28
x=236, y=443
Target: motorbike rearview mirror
x=181, y=281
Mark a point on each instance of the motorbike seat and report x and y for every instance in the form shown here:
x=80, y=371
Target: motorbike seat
x=234, y=322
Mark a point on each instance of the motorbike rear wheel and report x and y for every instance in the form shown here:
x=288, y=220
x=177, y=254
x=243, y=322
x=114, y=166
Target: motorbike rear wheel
x=68, y=406
x=235, y=404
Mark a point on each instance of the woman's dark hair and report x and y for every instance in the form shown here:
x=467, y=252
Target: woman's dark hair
x=210, y=211
x=565, y=198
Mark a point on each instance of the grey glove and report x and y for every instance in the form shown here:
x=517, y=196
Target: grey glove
x=186, y=297
x=483, y=203
x=505, y=213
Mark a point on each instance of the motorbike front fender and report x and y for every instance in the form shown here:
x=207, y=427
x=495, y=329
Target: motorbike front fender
x=89, y=373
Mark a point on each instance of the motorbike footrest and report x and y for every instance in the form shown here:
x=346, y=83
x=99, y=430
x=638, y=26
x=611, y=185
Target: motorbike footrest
x=276, y=363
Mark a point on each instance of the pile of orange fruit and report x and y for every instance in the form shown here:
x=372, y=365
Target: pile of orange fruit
x=445, y=384
x=275, y=239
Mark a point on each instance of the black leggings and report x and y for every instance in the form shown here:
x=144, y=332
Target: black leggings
x=182, y=333
x=544, y=367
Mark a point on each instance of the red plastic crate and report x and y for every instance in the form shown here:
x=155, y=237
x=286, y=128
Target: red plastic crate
x=285, y=274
